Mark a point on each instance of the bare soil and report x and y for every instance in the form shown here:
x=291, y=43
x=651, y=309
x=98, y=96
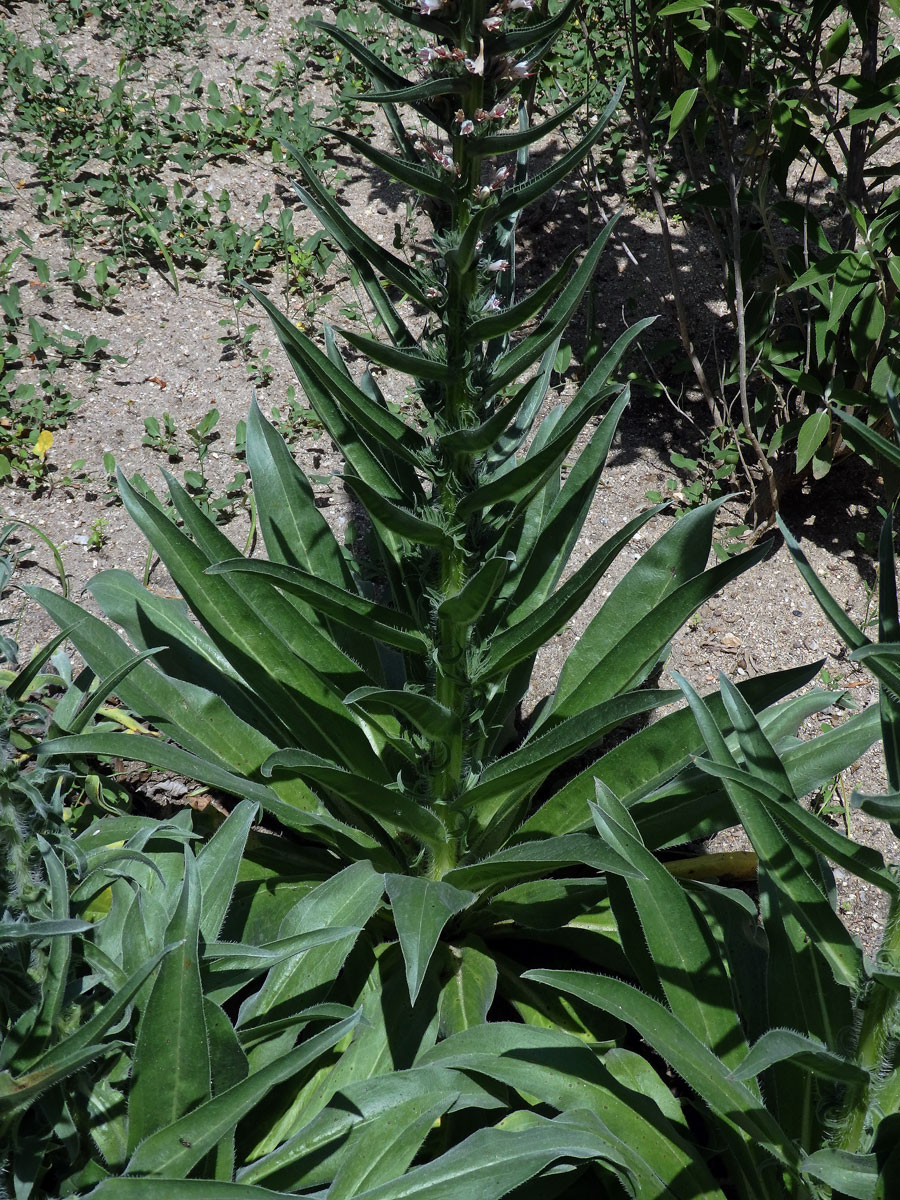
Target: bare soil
x=172, y=361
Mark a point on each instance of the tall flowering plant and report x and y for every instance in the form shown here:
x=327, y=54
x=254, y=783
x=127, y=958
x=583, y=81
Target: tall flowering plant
x=438, y=841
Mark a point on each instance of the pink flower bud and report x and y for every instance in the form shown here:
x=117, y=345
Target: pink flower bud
x=491, y=24
x=492, y=304
x=466, y=128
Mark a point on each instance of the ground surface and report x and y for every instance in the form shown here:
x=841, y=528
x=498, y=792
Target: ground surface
x=165, y=357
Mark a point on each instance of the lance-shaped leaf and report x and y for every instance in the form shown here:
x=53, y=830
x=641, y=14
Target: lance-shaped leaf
x=523, y=194
x=848, y=1174
x=558, y=1069
x=173, y=1150
x=171, y=1072
x=534, y=760
x=778, y=1045
x=420, y=178
x=190, y=1189
x=348, y=234
x=469, y=992
x=377, y=421
x=467, y=605
x=561, y=525
x=697, y=1065
x=432, y=719
x=685, y=956
x=392, y=808
x=521, y=482
x=218, y=864
x=399, y=521
x=519, y=641
x=505, y=143
x=20, y=1091
x=642, y=640
x=530, y=859
x=497, y=324
x=383, y=1148
x=347, y=840
x=530, y=349
x=411, y=362
x=293, y=528
x=803, y=897
x=349, y=608
x=528, y=35
x=534, y=395
x=421, y=908
x=483, y=436
x=24, y=931
x=282, y=679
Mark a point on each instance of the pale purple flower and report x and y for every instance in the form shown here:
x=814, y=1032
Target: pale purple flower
x=514, y=4
x=492, y=304
x=427, y=54
x=466, y=128
x=518, y=70
x=499, y=111
x=433, y=293
x=498, y=265
x=475, y=66
x=500, y=177
x=491, y=24
x=482, y=193
x=427, y=7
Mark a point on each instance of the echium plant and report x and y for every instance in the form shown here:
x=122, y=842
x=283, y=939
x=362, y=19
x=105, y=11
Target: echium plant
x=439, y=842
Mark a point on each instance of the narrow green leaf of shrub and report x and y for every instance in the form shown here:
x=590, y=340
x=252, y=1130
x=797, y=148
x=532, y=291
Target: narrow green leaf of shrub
x=409, y=362
x=681, y=110
x=685, y=956
x=218, y=864
x=801, y=894
x=398, y=520
x=383, y=1148
x=468, y=604
x=848, y=1174
x=530, y=349
x=530, y=859
x=20, y=1091
x=56, y=966
x=238, y=956
x=430, y=718
x=537, y=757
x=697, y=1065
x=515, y=39
x=348, y=234
x=392, y=808
x=421, y=908
x=349, y=608
x=174, y=1150
x=190, y=1189
x=171, y=1071
x=778, y=1045
x=813, y=432
x=507, y=143
x=23, y=931
x=429, y=183
x=512, y=319
x=469, y=992
x=518, y=197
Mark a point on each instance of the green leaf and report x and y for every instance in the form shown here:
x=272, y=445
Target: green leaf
x=20, y=1091
x=685, y=956
x=848, y=1174
x=432, y=719
x=398, y=520
x=421, y=179
x=530, y=859
x=681, y=110
x=697, y=1065
x=22, y=931
x=365, y=616
x=411, y=362
x=508, y=143
x=175, y=1149
x=190, y=1189
x=383, y=1148
x=513, y=318
x=421, y=907
x=391, y=808
x=171, y=1071
x=779, y=1045
x=469, y=993
x=536, y=758
x=514, y=200
x=468, y=604
x=813, y=432
x=530, y=349
x=632, y=643
x=218, y=864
